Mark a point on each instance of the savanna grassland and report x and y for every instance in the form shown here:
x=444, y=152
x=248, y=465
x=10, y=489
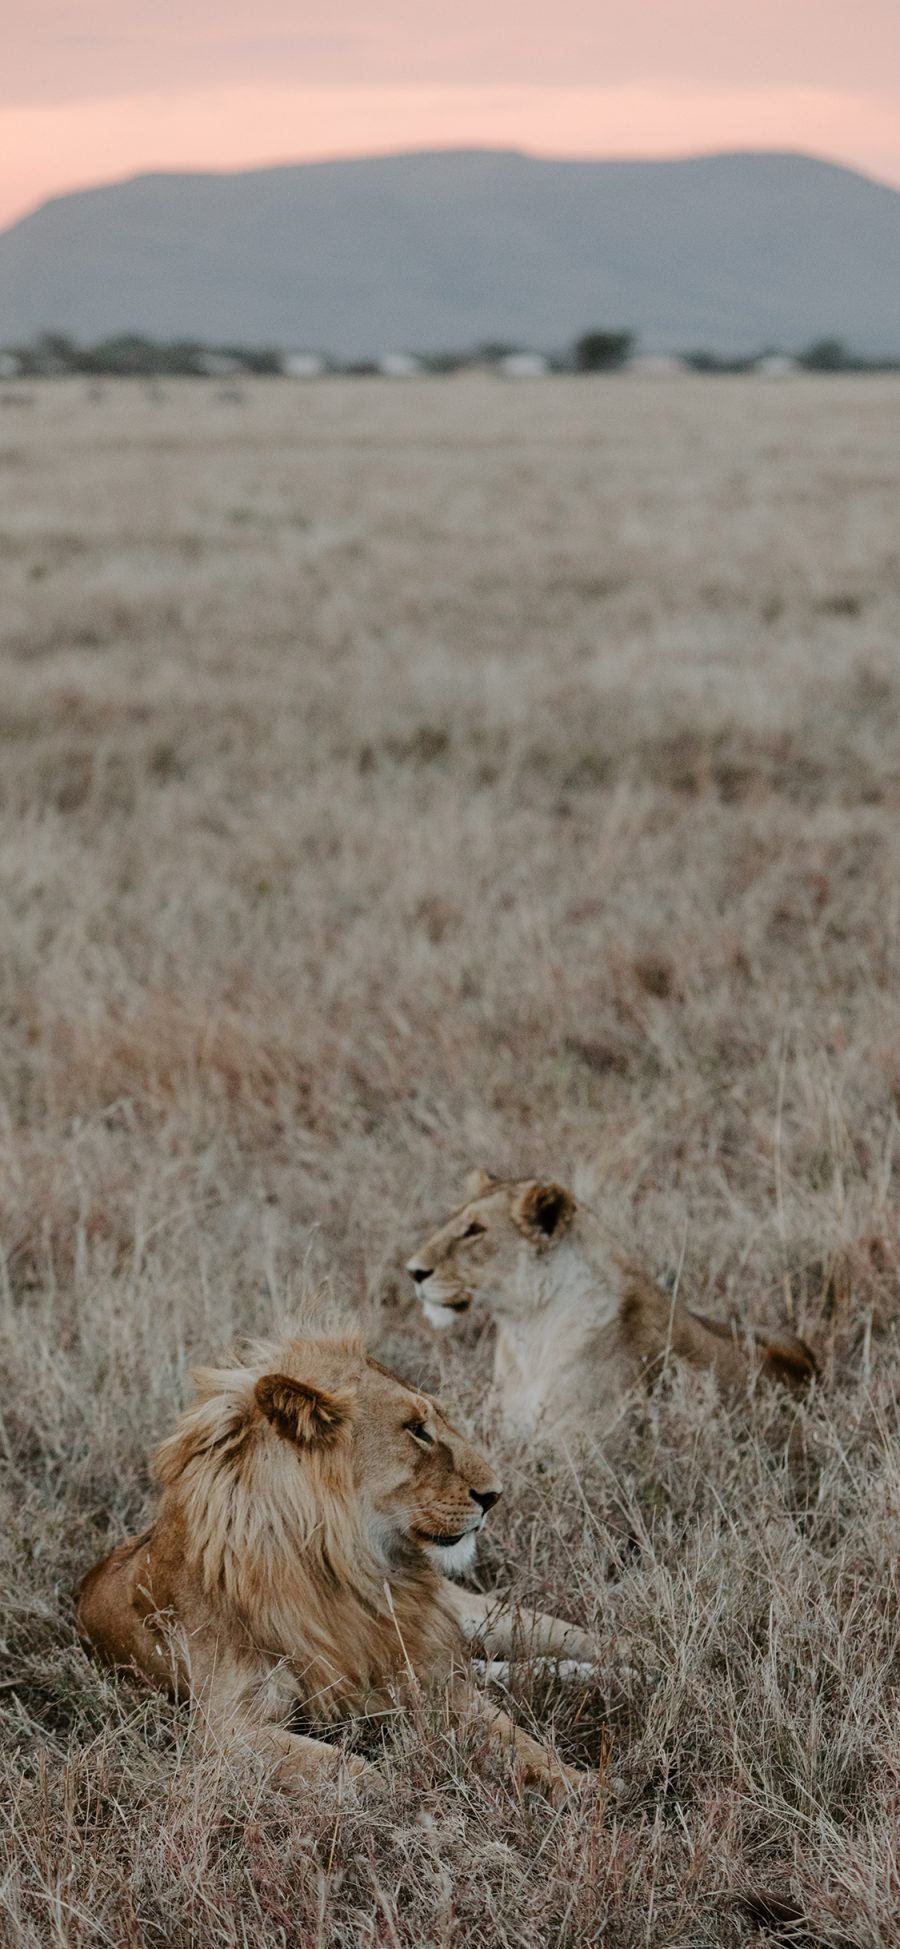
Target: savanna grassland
x=395, y=779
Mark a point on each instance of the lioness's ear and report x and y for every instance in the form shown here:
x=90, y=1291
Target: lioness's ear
x=479, y=1183
x=542, y=1212
x=787, y=1358
x=304, y=1414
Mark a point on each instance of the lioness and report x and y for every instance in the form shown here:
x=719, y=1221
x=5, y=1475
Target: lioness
x=579, y=1324
x=311, y=1501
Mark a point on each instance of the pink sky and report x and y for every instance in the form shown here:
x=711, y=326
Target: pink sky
x=95, y=89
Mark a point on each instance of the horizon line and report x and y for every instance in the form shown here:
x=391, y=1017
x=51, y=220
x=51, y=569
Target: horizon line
x=394, y=154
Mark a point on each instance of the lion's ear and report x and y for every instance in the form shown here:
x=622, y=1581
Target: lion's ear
x=479, y=1183
x=542, y=1212
x=787, y=1358
x=312, y=1417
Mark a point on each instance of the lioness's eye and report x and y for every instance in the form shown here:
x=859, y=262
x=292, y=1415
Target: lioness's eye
x=474, y=1230
x=419, y=1432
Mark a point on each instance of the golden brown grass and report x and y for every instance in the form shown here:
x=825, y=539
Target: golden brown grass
x=394, y=779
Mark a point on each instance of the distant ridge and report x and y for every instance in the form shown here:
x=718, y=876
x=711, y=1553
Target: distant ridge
x=444, y=249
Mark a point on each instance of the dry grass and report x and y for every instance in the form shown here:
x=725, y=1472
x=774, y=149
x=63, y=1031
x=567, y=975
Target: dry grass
x=394, y=779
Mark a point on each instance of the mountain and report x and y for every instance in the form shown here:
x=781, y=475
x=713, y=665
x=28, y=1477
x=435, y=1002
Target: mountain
x=445, y=249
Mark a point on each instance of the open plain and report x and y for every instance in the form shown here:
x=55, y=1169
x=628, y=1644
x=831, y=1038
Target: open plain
x=396, y=778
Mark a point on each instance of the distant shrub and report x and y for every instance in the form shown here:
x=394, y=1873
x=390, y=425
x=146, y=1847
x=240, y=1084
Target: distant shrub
x=125, y=355
x=701, y=361
x=49, y=353
x=597, y=351
x=827, y=355
x=446, y=359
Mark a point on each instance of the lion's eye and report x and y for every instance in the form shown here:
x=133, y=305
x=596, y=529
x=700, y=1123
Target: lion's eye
x=474, y=1230
x=419, y=1432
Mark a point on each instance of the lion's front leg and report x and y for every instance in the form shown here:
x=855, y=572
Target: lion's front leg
x=536, y=1764
x=243, y=1718
x=295, y=1759
x=505, y=1630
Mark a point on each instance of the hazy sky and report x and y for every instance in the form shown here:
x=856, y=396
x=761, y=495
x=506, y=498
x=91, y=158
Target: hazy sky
x=93, y=89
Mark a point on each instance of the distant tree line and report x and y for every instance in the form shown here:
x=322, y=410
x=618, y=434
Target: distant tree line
x=130, y=355
x=134, y=355
x=823, y=355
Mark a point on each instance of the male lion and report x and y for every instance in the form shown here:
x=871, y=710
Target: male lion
x=310, y=1503
x=579, y=1324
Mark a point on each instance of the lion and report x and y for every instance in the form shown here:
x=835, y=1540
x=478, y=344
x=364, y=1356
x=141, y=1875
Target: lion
x=311, y=1504
x=580, y=1325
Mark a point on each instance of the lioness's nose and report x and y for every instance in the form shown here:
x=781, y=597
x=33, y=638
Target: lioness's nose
x=420, y=1272
x=486, y=1498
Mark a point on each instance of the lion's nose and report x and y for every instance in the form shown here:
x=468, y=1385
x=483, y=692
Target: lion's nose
x=420, y=1273
x=485, y=1498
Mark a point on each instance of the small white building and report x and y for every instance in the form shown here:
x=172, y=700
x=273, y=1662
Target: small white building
x=775, y=365
x=399, y=365
x=303, y=365
x=523, y=365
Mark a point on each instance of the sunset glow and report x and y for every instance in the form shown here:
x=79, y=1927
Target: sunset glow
x=94, y=92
